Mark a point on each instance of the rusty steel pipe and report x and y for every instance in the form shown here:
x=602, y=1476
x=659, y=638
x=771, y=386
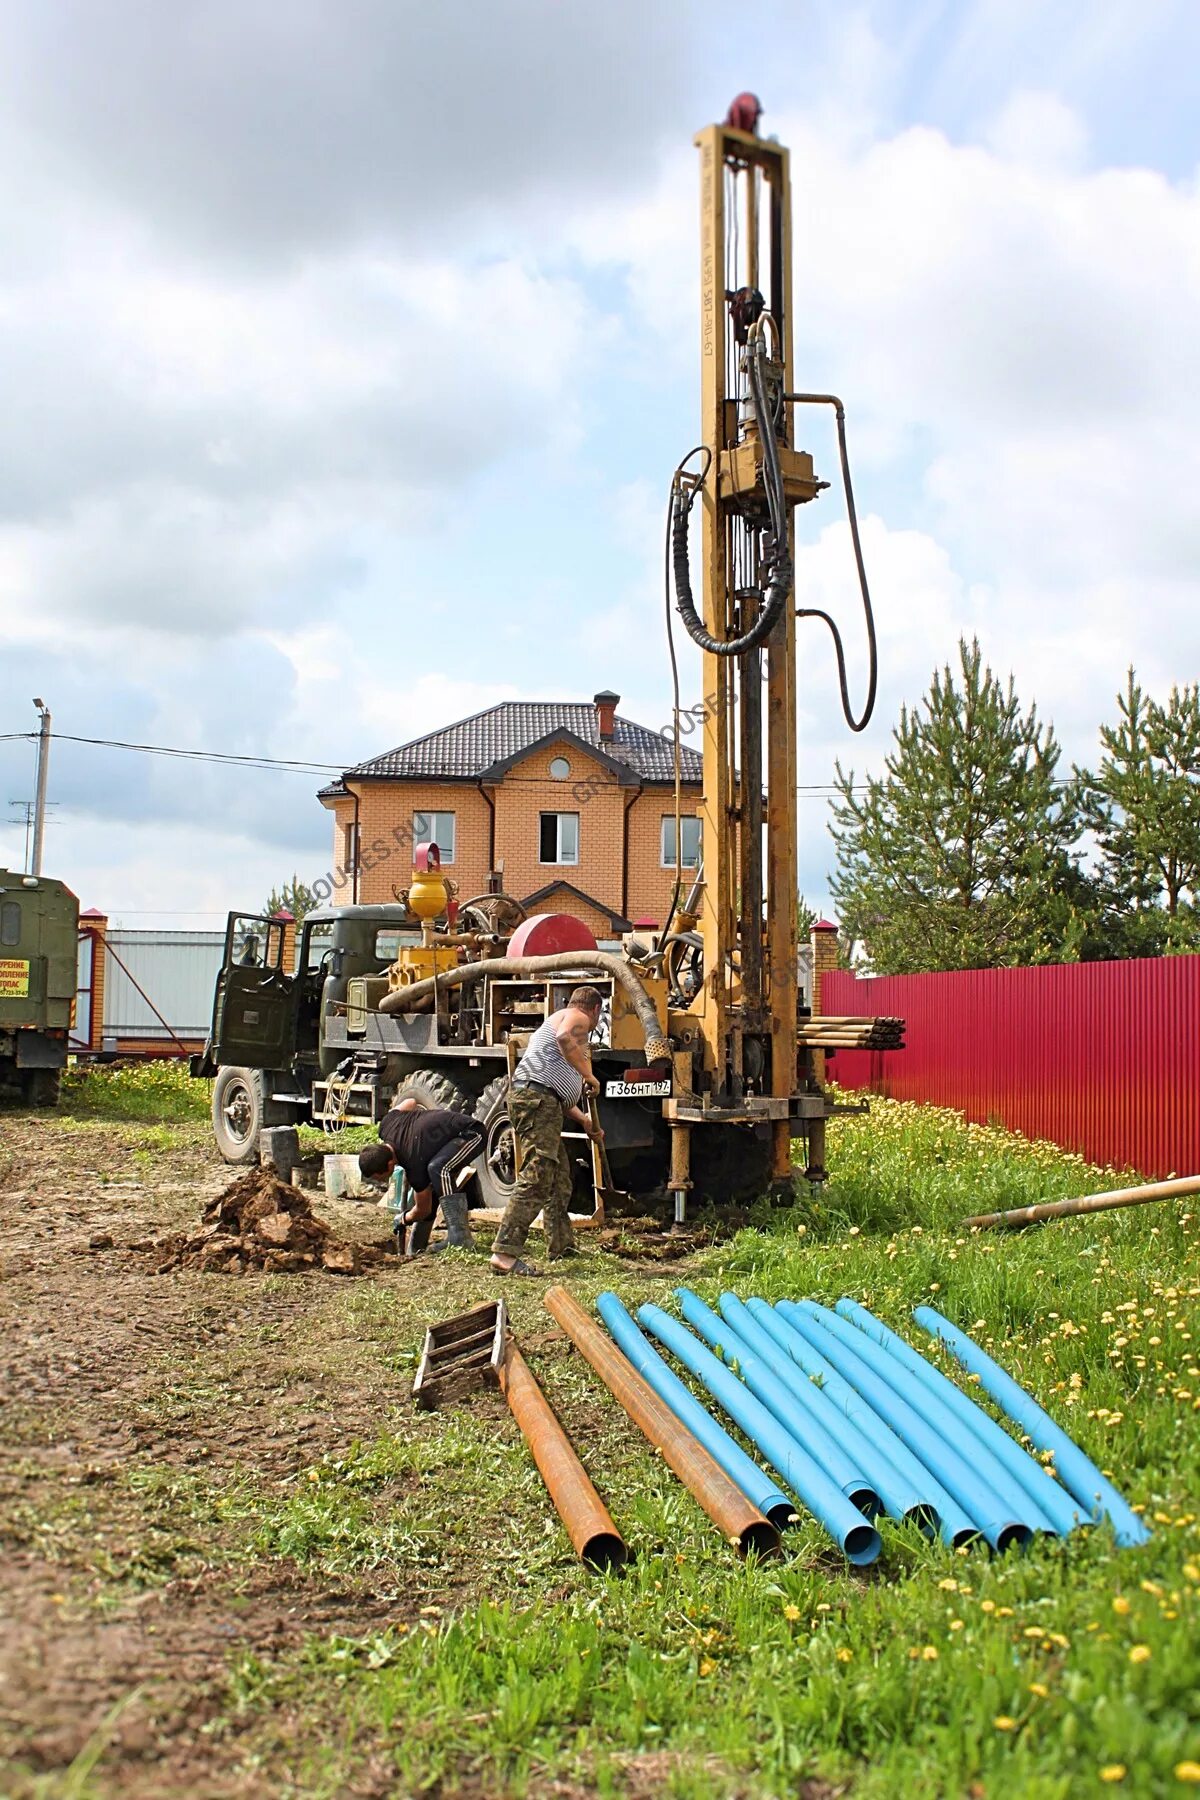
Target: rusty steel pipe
x=734, y=1516
x=1091, y=1203
x=588, y=1521
x=573, y=962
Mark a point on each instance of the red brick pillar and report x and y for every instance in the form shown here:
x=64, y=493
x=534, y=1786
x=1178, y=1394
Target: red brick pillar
x=94, y=925
x=287, y=920
x=824, y=940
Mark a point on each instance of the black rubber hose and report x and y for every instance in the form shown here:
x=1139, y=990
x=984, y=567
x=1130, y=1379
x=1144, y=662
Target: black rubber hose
x=814, y=612
x=777, y=564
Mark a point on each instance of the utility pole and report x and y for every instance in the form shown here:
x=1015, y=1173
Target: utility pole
x=43, y=771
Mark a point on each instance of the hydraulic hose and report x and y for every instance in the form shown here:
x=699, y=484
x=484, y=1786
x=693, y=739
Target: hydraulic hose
x=1077, y=1472
x=777, y=565
x=572, y=962
x=1062, y=1512
x=814, y=612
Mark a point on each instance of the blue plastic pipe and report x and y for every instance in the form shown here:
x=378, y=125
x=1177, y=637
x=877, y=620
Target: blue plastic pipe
x=858, y=1540
x=800, y=1420
x=763, y=1330
x=1078, y=1473
x=1062, y=1514
x=757, y=1486
x=955, y=1526
x=1010, y=1500
x=937, y=1450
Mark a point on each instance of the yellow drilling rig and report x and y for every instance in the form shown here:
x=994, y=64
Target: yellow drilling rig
x=709, y=1068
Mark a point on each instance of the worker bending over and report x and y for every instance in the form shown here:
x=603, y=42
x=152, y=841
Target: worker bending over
x=550, y=1082
x=434, y=1147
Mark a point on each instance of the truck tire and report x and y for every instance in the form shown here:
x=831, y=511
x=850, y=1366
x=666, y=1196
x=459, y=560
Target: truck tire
x=238, y=1109
x=497, y=1174
x=435, y=1092
x=40, y=1087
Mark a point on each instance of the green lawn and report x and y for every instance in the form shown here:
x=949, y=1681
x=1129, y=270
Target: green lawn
x=1072, y=1667
x=499, y=1666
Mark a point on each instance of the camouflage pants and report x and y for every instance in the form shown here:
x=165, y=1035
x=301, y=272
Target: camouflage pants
x=544, y=1183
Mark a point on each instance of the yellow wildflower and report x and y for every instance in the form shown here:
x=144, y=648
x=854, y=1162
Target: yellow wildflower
x=1120, y=1605
x=1002, y=1722
x=956, y=1624
x=1113, y=1772
x=987, y=1606
x=844, y=1655
x=791, y=1613
x=929, y=1653
x=1187, y=1771
x=1040, y=1689
x=1139, y=1653
x=707, y=1665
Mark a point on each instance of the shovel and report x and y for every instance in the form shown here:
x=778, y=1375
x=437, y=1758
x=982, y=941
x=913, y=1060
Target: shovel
x=602, y=1181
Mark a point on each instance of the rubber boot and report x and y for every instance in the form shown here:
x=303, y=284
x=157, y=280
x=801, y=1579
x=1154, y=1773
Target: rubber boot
x=458, y=1231
x=418, y=1237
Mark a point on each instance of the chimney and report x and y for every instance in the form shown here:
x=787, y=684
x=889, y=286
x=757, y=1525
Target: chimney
x=606, y=708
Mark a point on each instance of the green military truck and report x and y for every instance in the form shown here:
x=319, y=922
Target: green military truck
x=39, y=935
x=293, y=1046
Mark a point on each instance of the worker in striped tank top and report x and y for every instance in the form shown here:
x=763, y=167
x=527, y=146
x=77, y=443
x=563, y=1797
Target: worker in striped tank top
x=551, y=1080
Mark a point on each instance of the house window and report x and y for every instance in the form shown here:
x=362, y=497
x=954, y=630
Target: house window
x=560, y=838
x=560, y=768
x=435, y=828
x=350, y=848
x=689, y=839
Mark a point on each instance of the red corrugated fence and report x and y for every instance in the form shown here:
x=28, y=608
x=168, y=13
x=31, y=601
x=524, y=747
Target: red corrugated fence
x=1103, y=1058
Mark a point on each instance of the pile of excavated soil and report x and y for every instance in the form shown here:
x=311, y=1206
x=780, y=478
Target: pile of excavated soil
x=259, y=1222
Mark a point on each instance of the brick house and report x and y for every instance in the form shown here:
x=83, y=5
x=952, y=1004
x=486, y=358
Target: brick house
x=572, y=803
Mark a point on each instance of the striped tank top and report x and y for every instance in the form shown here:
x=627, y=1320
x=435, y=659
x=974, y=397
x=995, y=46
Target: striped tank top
x=545, y=1063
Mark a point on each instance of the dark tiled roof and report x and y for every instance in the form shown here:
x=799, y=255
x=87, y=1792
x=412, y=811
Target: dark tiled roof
x=468, y=750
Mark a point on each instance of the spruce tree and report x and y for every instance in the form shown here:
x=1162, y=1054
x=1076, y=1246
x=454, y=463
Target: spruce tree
x=960, y=855
x=1142, y=807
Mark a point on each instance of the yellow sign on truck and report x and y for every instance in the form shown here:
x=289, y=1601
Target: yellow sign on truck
x=14, y=978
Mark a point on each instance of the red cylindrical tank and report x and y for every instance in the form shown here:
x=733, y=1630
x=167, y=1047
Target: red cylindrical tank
x=546, y=934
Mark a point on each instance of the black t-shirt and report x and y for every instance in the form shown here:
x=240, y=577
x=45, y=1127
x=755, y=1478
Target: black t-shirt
x=415, y=1137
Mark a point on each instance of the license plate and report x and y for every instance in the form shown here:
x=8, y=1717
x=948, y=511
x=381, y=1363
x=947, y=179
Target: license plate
x=637, y=1090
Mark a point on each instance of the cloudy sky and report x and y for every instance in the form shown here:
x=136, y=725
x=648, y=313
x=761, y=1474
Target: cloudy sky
x=347, y=347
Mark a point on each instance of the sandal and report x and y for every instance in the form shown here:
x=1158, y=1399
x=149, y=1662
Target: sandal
x=520, y=1267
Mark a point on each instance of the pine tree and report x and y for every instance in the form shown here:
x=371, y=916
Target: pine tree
x=960, y=855
x=1142, y=807
x=293, y=897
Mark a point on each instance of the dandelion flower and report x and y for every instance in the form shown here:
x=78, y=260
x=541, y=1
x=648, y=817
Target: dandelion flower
x=1002, y=1722
x=707, y=1665
x=1187, y=1771
x=1120, y=1605
x=844, y=1655
x=1113, y=1772
x=1040, y=1689
x=929, y=1653
x=791, y=1613
x=1139, y=1653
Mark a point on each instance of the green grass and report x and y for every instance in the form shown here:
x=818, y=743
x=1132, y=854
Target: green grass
x=153, y=1091
x=698, y=1676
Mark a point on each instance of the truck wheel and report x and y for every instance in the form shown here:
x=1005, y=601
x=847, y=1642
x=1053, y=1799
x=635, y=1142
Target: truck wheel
x=237, y=1113
x=497, y=1166
x=435, y=1092
x=41, y=1087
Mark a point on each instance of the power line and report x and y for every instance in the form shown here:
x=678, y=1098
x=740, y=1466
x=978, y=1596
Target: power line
x=212, y=756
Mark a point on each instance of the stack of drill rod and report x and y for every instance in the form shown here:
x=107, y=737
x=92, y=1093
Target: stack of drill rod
x=852, y=1034
x=855, y=1424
